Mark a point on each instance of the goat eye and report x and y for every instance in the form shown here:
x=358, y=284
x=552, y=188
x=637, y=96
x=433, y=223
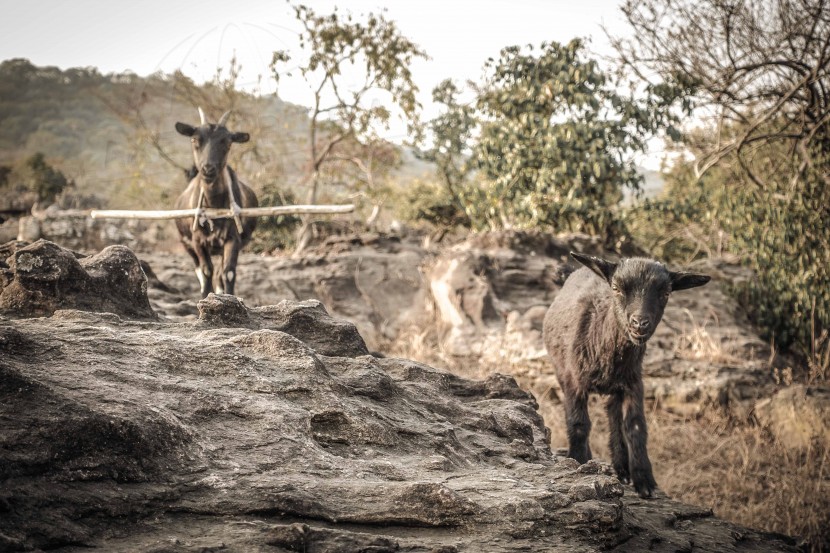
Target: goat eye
x=615, y=289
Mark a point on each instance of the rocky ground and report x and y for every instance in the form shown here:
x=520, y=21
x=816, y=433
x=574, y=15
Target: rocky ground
x=484, y=299
x=270, y=425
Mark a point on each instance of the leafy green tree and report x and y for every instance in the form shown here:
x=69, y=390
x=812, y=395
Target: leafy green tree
x=551, y=141
x=340, y=47
x=451, y=133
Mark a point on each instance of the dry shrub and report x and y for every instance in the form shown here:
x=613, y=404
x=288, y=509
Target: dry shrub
x=743, y=474
x=696, y=342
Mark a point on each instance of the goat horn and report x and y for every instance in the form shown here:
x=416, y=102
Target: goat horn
x=224, y=118
x=202, y=117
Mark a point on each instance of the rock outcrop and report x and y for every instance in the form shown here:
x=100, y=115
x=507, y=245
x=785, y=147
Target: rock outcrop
x=39, y=278
x=274, y=429
x=485, y=299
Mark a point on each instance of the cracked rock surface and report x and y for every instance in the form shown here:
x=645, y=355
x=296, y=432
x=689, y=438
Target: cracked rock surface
x=40, y=278
x=274, y=429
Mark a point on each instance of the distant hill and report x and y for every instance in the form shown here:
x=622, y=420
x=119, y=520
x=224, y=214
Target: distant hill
x=111, y=133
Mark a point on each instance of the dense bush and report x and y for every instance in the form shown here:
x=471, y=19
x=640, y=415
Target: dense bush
x=780, y=230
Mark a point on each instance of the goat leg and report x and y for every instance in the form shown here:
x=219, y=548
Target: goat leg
x=204, y=272
x=616, y=442
x=636, y=439
x=230, y=256
x=579, y=426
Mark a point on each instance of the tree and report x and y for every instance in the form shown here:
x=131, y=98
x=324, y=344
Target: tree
x=551, y=141
x=759, y=70
x=44, y=180
x=364, y=167
x=338, y=48
x=758, y=75
x=451, y=133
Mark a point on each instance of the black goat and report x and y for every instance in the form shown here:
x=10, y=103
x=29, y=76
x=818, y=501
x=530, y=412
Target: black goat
x=215, y=185
x=595, y=332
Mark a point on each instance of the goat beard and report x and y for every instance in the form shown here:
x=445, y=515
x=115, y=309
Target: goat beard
x=638, y=339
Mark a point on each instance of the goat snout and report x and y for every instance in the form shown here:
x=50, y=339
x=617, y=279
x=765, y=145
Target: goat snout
x=640, y=323
x=209, y=171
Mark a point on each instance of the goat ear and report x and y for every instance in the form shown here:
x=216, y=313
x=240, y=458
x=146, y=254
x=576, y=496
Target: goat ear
x=603, y=268
x=185, y=129
x=240, y=137
x=684, y=281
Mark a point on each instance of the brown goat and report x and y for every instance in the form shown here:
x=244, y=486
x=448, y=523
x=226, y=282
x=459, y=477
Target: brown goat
x=596, y=332
x=215, y=185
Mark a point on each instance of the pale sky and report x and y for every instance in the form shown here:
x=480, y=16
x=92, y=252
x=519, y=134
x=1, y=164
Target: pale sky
x=198, y=36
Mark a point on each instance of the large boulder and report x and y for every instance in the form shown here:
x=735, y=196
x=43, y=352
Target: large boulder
x=38, y=279
x=372, y=280
x=273, y=429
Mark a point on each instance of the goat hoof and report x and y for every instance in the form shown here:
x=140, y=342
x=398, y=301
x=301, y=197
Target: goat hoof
x=644, y=483
x=622, y=473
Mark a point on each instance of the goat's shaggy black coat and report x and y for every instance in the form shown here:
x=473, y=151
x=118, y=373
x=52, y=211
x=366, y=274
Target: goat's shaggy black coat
x=212, y=184
x=596, y=332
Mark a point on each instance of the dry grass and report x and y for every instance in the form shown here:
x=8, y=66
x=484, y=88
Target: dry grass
x=694, y=341
x=744, y=475
x=736, y=469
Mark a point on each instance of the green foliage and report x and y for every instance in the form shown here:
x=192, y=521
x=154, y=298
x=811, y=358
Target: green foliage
x=43, y=179
x=761, y=170
x=685, y=222
x=783, y=230
x=550, y=142
x=452, y=131
x=341, y=51
x=779, y=230
x=430, y=202
x=275, y=232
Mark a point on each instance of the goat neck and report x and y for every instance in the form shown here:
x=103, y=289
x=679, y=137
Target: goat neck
x=216, y=194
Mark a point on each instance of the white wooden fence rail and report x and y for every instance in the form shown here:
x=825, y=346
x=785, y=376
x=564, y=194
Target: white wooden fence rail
x=210, y=213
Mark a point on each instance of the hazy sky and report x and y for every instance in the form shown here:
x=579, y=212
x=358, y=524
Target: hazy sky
x=164, y=35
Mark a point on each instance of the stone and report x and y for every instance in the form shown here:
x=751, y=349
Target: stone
x=128, y=436
x=40, y=278
x=274, y=428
